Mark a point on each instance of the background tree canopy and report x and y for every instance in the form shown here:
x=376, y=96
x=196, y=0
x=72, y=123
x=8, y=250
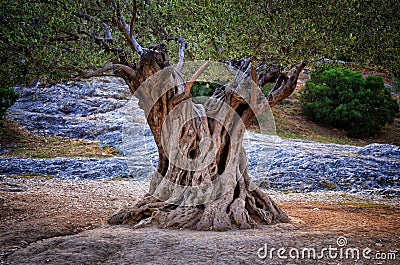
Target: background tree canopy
x=51, y=39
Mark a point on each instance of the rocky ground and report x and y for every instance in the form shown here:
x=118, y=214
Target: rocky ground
x=51, y=221
x=54, y=211
x=276, y=163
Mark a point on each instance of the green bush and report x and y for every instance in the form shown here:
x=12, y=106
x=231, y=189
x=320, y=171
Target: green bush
x=203, y=89
x=344, y=99
x=396, y=84
x=7, y=99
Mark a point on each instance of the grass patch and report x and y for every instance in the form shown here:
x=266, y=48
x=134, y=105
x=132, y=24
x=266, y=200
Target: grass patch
x=368, y=205
x=16, y=142
x=32, y=176
x=110, y=150
x=329, y=185
x=351, y=197
x=381, y=208
x=285, y=191
x=120, y=178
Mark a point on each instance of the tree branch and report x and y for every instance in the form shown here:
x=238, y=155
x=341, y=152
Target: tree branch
x=193, y=79
x=107, y=33
x=124, y=28
x=106, y=28
x=240, y=69
x=185, y=95
x=254, y=85
x=109, y=67
x=181, y=54
x=67, y=37
x=131, y=40
x=254, y=75
x=285, y=86
x=97, y=40
x=133, y=18
x=126, y=34
x=268, y=77
x=88, y=17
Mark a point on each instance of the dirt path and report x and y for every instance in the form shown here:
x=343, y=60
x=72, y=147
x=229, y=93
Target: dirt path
x=64, y=222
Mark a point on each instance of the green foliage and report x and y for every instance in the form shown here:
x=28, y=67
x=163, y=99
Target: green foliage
x=206, y=89
x=203, y=89
x=47, y=39
x=267, y=88
x=344, y=99
x=396, y=84
x=7, y=99
x=287, y=31
x=43, y=39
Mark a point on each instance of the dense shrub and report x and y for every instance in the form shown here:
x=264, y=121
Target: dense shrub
x=203, y=89
x=344, y=99
x=7, y=99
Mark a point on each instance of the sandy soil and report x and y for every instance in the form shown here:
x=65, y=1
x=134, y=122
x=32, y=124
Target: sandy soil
x=47, y=221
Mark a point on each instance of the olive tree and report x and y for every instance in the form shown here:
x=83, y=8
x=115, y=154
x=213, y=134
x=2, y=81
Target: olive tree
x=201, y=181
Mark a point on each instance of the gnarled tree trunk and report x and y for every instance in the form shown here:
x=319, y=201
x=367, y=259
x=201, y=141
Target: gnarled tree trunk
x=201, y=181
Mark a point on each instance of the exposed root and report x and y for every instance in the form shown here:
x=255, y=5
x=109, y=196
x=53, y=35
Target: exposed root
x=234, y=210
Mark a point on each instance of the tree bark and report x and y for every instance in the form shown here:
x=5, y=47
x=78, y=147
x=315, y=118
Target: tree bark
x=201, y=181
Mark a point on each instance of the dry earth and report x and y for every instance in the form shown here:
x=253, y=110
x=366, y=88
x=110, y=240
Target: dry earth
x=49, y=221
